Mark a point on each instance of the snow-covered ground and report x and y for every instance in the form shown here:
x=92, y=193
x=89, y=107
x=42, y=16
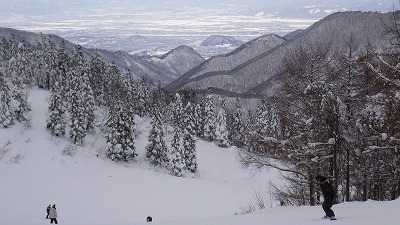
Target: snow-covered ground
x=88, y=189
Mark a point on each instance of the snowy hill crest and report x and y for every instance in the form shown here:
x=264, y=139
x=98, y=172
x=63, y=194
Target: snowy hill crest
x=255, y=75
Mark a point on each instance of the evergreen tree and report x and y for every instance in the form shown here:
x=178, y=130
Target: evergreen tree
x=121, y=136
x=88, y=99
x=46, y=57
x=64, y=67
x=159, y=99
x=97, y=79
x=113, y=85
x=18, y=66
x=177, y=161
x=237, y=130
x=6, y=110
x=189, y=142
x=78, y=123
x=143, y=101
x=262, y=117
x=198, y=121
x=156, y=150
x=267, y=122
x=56, y=122
x=131, y=96
x=209, y=120
x=5, y=54
x=78, y=97
x=177, y=112
x=221, y=131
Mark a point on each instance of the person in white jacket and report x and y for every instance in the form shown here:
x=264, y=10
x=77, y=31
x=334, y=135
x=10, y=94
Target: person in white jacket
x=53, y=214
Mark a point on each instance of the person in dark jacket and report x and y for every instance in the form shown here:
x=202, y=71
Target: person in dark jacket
x=53, y=214
x=48, y=211
x=329, y=196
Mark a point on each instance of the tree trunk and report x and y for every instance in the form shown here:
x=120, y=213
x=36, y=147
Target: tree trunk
x=347, y=191
x=364, y=197
x=312, y=190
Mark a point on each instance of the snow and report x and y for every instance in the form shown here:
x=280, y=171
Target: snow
x=38, y=169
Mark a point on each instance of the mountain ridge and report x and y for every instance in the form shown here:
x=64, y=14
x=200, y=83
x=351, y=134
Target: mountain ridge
x=256, y=75
x=160, y=73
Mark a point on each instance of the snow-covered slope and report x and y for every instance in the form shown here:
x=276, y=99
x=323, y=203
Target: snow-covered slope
x=179, y=61
x=218, y=40
x=255, y=75
x=222, y=64
x=36, y=170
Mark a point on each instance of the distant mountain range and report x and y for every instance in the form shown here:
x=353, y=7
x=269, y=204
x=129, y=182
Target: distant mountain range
x=219, y=40
x=249, y=70
x=157, y=70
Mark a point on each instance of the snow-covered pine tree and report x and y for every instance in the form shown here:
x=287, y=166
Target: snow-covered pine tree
x=112, y=85
x=97, y=74
x=177, y=112
x=159, y=98
x=221, y=130
x=78, y=114
x=6, y=110
x=88, y=99
x=18, y=66
x=121, y=135
x=156, y=150
x=177, y=163
x=131, y=97
x=46, y=57
x=5, y=54
x=64, y=65
x=237, y=130
x=189, y=141
x=56, y=120
x=262, y=117
x=143, y=98
x=209, y=120
x=198, y=120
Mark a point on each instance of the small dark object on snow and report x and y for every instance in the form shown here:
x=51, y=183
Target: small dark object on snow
x=149, y=219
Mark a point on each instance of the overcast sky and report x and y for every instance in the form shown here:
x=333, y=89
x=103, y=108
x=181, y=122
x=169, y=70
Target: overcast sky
x=148, y=17
x=285, y=8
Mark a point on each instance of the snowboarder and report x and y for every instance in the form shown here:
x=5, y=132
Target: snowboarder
x=329, y=196
x=53, y=214
x=48, y=211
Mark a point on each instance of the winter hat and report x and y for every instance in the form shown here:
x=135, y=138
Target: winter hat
x=320, y=178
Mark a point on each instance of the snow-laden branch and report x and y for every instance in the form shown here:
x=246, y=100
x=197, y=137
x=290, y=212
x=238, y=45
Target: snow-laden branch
x=381, y=75
x=256, y=161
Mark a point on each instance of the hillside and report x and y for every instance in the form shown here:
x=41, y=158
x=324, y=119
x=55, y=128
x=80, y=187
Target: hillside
x=156, y=72
x=90, y=190
x=218, y=40
x=255, y=75
x=36, y=169
x=216, y=65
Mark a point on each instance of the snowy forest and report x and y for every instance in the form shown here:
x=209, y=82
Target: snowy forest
x=334, y=113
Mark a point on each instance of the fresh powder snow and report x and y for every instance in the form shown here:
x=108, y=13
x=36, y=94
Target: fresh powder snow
x=38, y=169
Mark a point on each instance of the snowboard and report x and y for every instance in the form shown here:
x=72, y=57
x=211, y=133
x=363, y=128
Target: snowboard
x=326, y=218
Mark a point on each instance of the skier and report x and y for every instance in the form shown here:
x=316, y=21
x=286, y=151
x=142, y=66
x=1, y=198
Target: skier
x=329, y=196
x=48, y=211
x=53, y=214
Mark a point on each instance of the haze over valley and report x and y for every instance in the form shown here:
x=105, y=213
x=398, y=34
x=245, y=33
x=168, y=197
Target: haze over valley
x=156, y=27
